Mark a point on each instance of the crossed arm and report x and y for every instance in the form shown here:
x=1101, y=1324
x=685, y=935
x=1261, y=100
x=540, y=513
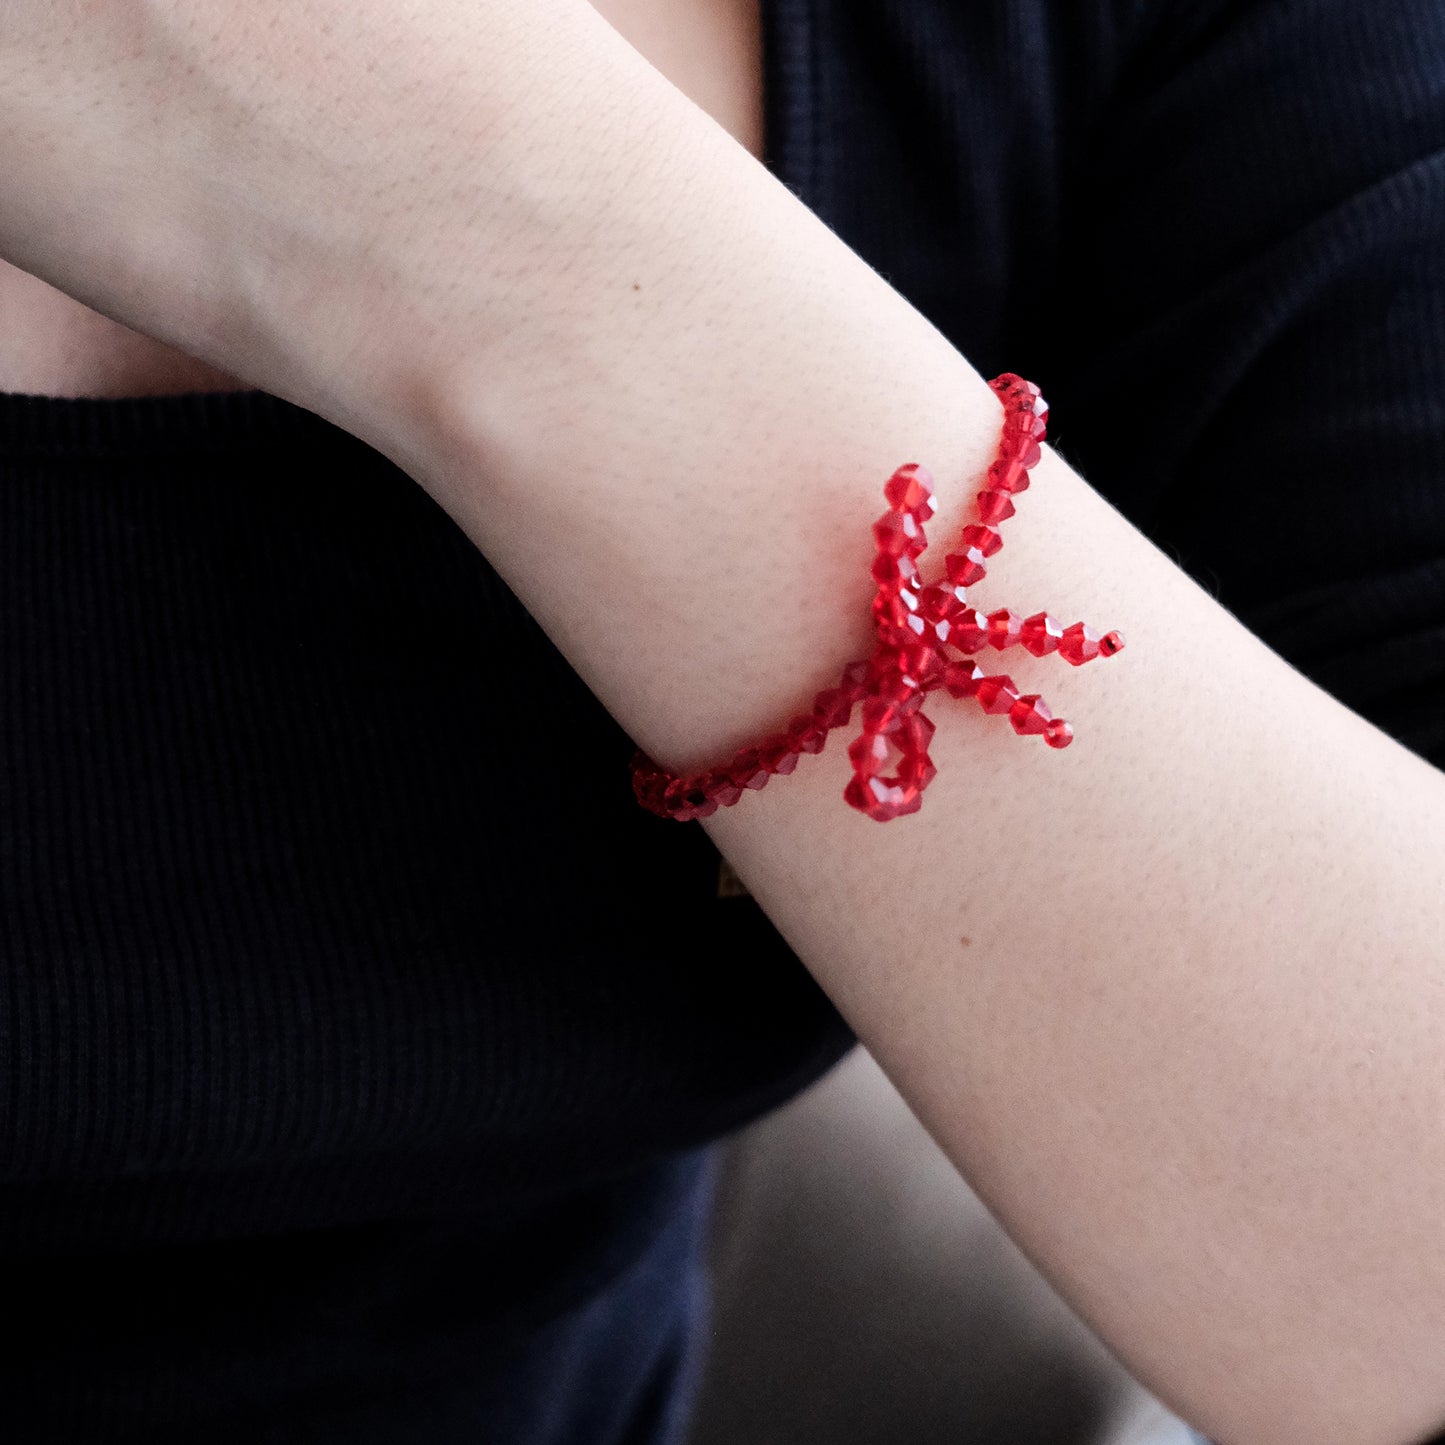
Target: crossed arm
x=1172, y=999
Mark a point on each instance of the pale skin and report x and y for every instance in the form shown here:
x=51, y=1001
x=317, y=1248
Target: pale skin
x=53, y=345
x=1173, y=999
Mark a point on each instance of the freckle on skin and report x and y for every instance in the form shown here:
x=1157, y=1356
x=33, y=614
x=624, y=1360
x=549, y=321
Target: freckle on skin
x=636, y=287
x=966, y=941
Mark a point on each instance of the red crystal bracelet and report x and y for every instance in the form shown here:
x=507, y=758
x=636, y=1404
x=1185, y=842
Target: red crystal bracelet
x=918, y=625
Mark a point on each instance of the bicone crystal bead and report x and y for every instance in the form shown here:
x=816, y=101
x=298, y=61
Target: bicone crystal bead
x=648, y=782
x=1041, y=634
x=962, y=678
x=882, y=800
x=917, y=733
x=807, y=734
x=985, y=539
x=995, y=507
x=882, y=716
x=917, y=770
x=868, y=753
x=1111, y=643
x=720, y=786
x=1079, y=644
x=1030, y=714
x=910, y=489
x=1008, y=474
x=942, y=603
x=895, y=573
x=778, y=756
x=895, y=686
x=1058, y=734
x=832, y=707
x=997, y=694
x=965, y=568
x=922, y=664
x=970, y=630
x=747, y=770
x=898, y=533
x=1029, y=452
x=1004, y=627
x=685, y=800
x=898, y=611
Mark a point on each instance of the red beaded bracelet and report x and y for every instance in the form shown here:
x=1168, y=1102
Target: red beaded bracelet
x=917, y=625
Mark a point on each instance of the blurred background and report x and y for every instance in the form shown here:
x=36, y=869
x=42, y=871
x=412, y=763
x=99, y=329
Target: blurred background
x=864, y=1296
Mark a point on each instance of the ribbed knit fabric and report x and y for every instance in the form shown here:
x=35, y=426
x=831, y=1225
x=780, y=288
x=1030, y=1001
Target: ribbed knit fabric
x=357, y=1082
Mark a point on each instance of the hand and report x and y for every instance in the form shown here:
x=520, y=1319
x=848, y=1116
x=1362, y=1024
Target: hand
x=272, y=186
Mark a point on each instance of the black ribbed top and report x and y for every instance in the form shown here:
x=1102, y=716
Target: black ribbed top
x=351, y=1012
x=325, y=893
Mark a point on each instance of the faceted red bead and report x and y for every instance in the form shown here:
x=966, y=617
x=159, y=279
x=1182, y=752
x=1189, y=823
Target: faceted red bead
x=1079, y=643
x=995, y=507
x=684, y=800
x=1008, y=474
x=1030, y=714
x=1026, y=424
x=921, y=663
x=970, y=630
x=917, y=733
x=1004, y=627
x=899, y=532
x=895, y=686
x=856, y=678
x=778, y=756
x=648, y=784
x=985, y=539
x=1041, y=634
x=1029, y=452
x=807, y=734
x=1058, y=734
x=898, y=610
x=962, y=678
x=965, y=568
x=1111, y=643
x=881, y=800
x=868, y=753
x=747, y=770
x=935, y=602
x=882, y=716
x=720, y=786
x=997, y=694
x=917, y=770
x=832, y=707
x=895, y=572
x=910, y=489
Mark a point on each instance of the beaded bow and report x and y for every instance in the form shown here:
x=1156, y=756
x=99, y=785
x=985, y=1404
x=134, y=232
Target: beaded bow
x=918, y=629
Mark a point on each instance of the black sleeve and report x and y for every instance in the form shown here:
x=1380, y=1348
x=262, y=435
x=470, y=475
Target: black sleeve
x=1247, y=341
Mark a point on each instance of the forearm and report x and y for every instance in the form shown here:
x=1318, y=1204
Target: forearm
x=1171, y=999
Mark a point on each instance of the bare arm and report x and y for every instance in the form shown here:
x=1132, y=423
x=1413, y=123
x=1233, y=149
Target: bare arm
x=1172, y=1000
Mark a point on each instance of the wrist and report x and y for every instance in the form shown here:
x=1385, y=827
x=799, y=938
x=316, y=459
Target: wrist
x=677, y=466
